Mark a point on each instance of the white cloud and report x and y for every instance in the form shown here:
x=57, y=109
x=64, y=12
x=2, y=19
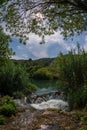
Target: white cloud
x=85, y=45
x=24, y=56
x=15, y=57
x=40, y=51
x=37, y=50
x=58, y=38
x=33, y=48
x=55, y=38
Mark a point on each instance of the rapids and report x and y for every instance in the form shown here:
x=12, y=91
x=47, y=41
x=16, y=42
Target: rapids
x=44, y=99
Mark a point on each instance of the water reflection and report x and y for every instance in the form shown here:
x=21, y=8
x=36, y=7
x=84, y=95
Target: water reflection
x=51, y=84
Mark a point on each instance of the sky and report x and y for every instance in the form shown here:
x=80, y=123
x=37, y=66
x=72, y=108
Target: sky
x=54, y=44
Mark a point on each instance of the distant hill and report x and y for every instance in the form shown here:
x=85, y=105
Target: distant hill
x=32, y=66
x=41, y=62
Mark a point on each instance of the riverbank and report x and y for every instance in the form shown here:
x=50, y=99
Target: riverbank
x=50, y=119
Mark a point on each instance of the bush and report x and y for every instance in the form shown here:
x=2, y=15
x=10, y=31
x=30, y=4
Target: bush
x=7, y=100
x=13, y=78
x=43, y=73
x=72, y=70
x=78, y=115
x=18, y=95
x=78, y=99
x=2, y=120
x=83, y=128
x=7, y=110
x=30, y=88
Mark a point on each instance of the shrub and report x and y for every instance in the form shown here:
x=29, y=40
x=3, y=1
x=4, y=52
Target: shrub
x=72, y=70
x=7, y=100
x=7, y=110
x=83, y=128
x=18, y=95
x=42, y=73
x=85, y=119
x=78, y=115
x=13, y=78
x=30, y=88
x=2, y=120
x=78, y=99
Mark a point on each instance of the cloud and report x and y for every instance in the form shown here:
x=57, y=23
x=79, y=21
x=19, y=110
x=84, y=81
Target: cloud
x=42, y=50
x=85, y=45
x=56, y=37
x=16, y=57
x=24, y=56
x=35, y=48
x=54, y=44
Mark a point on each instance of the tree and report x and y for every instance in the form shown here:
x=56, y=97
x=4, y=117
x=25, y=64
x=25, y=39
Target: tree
x=14, y=78
x=5, y=51
x=44, y=17
x=72, y=70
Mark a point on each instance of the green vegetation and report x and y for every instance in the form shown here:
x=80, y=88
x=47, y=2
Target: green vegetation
x=35, y=66
x=83, y=128
x=5, y=51
x=79, y=115
x=70, y=17
x=44, y=17
x=72, y=70
x=7, y=108
x=2, y=120
x=42, y=73
x=13, y=78
x=41, y=69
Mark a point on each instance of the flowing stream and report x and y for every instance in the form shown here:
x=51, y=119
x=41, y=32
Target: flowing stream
x=43, y=98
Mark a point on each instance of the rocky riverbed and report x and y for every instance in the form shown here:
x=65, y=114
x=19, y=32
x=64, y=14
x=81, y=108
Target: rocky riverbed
x=49, y=119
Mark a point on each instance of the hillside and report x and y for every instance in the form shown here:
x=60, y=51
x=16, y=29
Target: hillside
x=38, y=62
x=33, y=67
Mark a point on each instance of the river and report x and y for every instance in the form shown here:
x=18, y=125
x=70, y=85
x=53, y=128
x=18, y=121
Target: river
x=45, y=83
x=46, y=96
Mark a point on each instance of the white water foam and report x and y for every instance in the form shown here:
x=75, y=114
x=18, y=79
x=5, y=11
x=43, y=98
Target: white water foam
x=59, y=104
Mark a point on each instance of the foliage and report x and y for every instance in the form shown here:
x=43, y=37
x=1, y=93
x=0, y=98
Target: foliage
x=2, y=120
x=30, y=88
x=7, y=106
x=5, y=51
x=13, y=78
x=72, y=70
x=32, y=66
x=18, y=95
x=7, y=110
x=79, y=115
x=83, y=128
x=42, y=73
x=7, y=100
x=44, y=17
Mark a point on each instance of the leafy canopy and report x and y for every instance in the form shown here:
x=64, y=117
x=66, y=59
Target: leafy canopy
x=44, y=17
x=5, y=51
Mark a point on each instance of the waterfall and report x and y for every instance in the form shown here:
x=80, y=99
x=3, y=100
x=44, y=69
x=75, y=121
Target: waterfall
x=53, y=103
x=47, y=99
